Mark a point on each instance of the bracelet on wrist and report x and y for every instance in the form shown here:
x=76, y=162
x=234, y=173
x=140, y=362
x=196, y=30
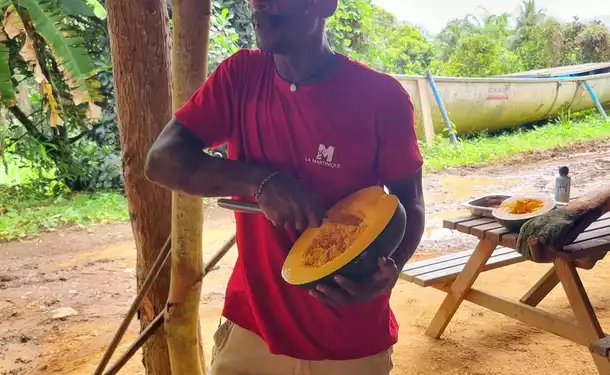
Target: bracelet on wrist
x=263, y=183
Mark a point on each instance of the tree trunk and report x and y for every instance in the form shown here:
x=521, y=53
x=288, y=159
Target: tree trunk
x=139, y=41
x=189, y=62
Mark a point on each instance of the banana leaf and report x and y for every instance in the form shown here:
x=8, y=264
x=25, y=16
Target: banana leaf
x=88, y=8
x=7, y=91
x=68, y=47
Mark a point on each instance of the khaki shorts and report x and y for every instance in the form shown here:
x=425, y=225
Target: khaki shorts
x=240, y=352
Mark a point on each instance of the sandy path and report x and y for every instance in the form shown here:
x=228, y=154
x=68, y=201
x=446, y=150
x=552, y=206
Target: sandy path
x=92, y=272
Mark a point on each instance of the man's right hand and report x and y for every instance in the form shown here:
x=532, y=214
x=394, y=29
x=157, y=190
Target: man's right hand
x=290, y=204
x=176, y=161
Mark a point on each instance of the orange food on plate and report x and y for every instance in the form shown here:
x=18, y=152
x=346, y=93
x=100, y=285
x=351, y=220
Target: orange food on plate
x=523, y=206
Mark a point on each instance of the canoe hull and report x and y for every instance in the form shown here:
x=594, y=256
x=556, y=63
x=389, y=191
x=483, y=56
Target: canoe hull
x=491, y=104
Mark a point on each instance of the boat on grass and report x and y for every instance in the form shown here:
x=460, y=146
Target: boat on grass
x=504, y=102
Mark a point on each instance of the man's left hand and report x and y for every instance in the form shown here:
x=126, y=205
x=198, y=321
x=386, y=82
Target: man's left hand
x=349, y=292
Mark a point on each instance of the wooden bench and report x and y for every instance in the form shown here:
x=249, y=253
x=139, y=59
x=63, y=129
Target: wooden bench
x=441, y=271
x=446, y=268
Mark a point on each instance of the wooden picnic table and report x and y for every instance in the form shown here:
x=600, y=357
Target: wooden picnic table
x=455, y=274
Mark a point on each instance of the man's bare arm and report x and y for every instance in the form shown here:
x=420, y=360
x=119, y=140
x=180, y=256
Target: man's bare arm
x=410, y=193
x=177, y=161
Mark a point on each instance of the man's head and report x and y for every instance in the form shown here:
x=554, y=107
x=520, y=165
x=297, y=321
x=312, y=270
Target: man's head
x=285, y=25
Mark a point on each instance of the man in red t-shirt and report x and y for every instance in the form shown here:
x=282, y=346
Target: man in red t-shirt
x=305, y=127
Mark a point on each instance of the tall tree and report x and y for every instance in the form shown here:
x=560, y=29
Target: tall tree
x=530, y=15
x=139, y=41
x=449, y=37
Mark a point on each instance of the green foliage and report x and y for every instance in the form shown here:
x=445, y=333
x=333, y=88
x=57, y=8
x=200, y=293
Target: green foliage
x=7, y=91
x=98, y=168
x=448, y=39
x=31, y=200
x=472, y=46
x=51, y=50
x=87, y=8
x=535, y=42
x=67, y=45
x=50, y=146
x=595, y=43
x=479, y=56
x=407, y=51
x=532, y=49
x=69, y=52
x=482, y=148
x=238, y=17
x=347, y=29
x=25, y=214
x=223, y=37
x=477, y=47
x=371, y=34
x=40, y=203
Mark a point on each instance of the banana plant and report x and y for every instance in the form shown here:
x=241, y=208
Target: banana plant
x=40, y=26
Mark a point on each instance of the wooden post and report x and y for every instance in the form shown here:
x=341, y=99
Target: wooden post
x=583, y=310
x=426, y=111
x=189, y=71
x=542, y=288
x=139, y=43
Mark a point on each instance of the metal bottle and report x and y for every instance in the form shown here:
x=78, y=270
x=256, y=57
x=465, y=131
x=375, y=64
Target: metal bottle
x=562, y=185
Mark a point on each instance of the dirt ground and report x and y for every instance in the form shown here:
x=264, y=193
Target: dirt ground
x=91, y=273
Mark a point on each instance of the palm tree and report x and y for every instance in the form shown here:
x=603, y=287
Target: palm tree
x=530, y=15
x=448, y=39
x=492, y=24
x=529, y=20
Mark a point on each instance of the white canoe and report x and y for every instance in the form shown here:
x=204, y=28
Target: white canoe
x=496, y=103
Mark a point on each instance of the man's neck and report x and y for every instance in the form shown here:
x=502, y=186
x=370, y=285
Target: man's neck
x=301, y=65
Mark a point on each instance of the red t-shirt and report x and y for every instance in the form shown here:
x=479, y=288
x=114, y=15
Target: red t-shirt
x=351, y=131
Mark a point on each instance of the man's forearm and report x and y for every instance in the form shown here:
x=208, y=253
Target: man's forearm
x=216, y=177
x=416, y=221
x=190, y=170
x=177, y=162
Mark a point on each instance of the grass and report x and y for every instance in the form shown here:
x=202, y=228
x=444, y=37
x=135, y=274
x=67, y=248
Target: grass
x=27, y=217
x=24, y=214
x=486, y=149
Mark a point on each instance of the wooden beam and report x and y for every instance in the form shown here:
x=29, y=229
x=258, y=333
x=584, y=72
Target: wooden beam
x=582, y=308
x=460, y=288
x=543, y=287
x=526, y=314
x=426, y=110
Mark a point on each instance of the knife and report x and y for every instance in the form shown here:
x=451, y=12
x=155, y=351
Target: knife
x=240, y=206
x=253, y=208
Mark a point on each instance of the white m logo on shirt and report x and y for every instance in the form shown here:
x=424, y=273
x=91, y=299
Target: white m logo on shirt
x=326, y=153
